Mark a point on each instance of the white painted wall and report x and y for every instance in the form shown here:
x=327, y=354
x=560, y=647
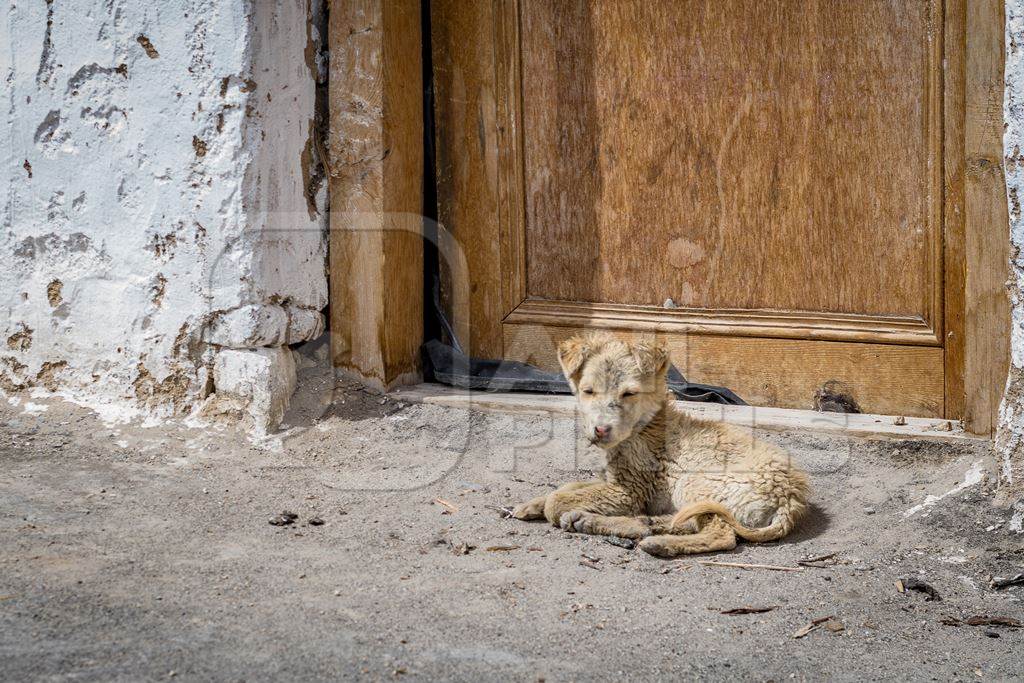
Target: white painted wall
x=154, y=174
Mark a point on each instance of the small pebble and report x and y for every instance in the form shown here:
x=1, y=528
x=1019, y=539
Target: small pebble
x=283, y=519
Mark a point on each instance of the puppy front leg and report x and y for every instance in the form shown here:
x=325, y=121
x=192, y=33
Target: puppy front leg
x=638, y=527
x=534, y=508
x=602, y=499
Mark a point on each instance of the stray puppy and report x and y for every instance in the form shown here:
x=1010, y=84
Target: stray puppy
x=681, y=484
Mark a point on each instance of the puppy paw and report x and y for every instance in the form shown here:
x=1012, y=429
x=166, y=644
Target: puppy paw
x=658, y=546
x=578, y=521
x=530, y=510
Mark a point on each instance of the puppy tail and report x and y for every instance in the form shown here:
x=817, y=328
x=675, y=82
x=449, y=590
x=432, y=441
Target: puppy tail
x=782, y=523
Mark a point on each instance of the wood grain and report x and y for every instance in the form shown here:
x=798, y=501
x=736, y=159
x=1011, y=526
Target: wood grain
x=376, y=181
x=884, y=379
x=770, y=155
x=987, y=308
x=462, y=43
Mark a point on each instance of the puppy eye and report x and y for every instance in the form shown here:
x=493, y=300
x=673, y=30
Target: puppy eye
x=588, y=392
x=627, y=394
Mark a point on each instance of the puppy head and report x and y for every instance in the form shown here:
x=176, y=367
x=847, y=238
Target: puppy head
x=619, y=387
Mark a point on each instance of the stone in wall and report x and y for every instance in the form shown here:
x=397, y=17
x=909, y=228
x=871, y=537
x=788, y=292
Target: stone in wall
x=254, y=383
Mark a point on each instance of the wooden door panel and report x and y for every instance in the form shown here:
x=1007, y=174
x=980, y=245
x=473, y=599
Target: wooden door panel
x=772, y=155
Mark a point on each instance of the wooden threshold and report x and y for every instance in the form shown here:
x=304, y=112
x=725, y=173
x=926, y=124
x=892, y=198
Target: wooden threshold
x=752, y=417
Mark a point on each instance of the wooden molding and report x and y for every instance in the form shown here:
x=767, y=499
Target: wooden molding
x=511, y=167
x=376, y=185
x=935, y=112
x=743, y=323
x=953, y=214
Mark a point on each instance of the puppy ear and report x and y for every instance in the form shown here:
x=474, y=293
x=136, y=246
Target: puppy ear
x=572, y=354
x=651, y=359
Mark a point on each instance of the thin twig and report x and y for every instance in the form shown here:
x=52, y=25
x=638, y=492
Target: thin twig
x=506, y=512
x=813, y=561
x=747, y=609
x=451, y=507
x=744, y=565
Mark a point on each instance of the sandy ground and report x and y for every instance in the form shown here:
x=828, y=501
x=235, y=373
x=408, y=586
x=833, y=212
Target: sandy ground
x=130, y=553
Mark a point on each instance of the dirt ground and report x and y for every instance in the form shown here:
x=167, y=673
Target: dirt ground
x=132, y=553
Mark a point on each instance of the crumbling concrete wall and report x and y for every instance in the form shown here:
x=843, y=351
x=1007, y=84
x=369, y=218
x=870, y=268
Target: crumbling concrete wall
x=1010, y=436
x=163, y=196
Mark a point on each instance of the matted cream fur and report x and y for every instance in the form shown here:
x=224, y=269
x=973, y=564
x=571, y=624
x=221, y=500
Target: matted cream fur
x=680, y=484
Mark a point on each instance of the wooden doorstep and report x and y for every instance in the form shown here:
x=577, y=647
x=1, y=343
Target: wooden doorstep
x=753, y=417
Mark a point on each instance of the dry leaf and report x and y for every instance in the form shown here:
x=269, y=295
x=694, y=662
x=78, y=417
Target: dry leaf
x=810, y=627
x=834, y=626
x=912, y=584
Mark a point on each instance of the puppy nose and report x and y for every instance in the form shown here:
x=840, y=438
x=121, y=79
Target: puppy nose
x=602, y=431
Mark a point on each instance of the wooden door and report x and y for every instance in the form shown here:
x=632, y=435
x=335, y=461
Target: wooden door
x=773, y=188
